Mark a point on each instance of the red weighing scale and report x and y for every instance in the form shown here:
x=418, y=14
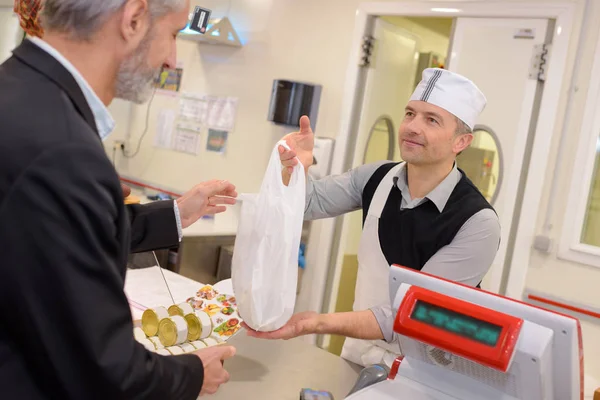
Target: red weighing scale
x=461, y=343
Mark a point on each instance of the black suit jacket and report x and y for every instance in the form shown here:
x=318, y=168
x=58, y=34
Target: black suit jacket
x=65, y=324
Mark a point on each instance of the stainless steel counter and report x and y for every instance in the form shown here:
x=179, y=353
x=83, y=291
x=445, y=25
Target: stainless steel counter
x=278, y=370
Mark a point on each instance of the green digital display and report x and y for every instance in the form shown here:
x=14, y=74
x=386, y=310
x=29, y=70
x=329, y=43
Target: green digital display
x=459, y=324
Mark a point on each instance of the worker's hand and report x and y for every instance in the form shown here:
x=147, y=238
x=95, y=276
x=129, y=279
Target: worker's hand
x=300, y=324
x=302, y=144
x=215, y=374
x=205, y=199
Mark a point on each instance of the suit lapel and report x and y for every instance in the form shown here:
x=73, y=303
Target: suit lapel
x=47, y=65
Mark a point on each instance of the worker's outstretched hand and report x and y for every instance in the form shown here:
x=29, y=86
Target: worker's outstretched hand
x=302, y=144
x=215, y=374
x=300, y=324
x=206, y=198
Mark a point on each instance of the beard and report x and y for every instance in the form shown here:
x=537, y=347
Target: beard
x=135, y=77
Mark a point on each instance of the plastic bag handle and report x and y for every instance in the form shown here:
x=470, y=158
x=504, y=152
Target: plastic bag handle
x=273, y=176
x=284, y=144
x=298, y=166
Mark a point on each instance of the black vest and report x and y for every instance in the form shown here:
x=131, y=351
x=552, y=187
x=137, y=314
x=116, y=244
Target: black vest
x=410, y=237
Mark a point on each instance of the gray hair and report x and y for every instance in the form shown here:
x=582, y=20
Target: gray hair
x=83, y=18
x=462, y=128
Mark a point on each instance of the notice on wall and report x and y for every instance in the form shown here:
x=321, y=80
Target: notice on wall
x=222, y=112
x=193, y=108
x=164, y=129
x=168, y=80
x=211, y=111
x=186, y=141
x=217, y=140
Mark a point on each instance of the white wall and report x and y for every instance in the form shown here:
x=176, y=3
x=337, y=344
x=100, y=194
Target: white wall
x=284, y=39
x=10, y=32
x=548, y=274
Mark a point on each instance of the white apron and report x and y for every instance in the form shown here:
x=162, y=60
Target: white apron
x=372, y=281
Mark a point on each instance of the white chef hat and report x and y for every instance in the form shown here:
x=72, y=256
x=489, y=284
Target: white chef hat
x=452, y=92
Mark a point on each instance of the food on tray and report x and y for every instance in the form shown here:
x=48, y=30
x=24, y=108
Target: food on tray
x=199, y=325
x=187, y=347
x=175, y=350
x=197, y=304
x=211, y=341
x=211, y=309
x=207, y=292
x=207, y=318
x=228, y=328
x=172, y=331
x=227, y=301
x=156, y=341
x=198, y=344
x=227, y=310
x=182, y=309
x=221, y=298
x=150, y=319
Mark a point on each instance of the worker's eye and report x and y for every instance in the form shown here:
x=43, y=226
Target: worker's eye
x=433, y=120
x=409, y=114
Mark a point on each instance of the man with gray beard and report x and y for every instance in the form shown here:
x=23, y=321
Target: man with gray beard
x=64, y=231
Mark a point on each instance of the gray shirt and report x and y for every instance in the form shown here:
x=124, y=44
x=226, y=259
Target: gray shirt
x=466, y=259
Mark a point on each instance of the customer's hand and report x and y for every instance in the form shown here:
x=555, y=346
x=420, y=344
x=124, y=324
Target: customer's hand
x=126, y=190
x=206, y=198
x=302, y=144
x=215, y=374
x=300, y=324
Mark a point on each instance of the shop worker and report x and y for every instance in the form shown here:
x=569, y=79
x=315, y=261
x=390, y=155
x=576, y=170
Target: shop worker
x=67, y=330
x=422, y=213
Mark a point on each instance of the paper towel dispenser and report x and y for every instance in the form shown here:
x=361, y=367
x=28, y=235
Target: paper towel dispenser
x=290, y=100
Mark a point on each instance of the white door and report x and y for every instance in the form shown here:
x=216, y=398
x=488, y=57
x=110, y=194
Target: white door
x=389, y=84
x=9, y=32
x=496, y=54
x=390, y=80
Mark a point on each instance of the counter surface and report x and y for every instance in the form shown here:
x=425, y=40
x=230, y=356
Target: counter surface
x=278, y=370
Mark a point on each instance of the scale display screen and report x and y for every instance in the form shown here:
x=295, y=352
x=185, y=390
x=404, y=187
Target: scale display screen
x=456, y=323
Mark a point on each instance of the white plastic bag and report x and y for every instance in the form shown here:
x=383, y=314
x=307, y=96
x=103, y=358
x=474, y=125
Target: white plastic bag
x=265, y=257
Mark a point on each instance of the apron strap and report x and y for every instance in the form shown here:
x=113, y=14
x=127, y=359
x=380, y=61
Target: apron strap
x=382, y=192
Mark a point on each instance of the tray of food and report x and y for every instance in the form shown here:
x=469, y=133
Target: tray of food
x=206, y=319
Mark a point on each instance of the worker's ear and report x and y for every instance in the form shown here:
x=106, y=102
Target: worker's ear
x=461, y=142
x=135, y=23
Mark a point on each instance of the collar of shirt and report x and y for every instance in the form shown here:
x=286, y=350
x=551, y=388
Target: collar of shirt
x=104, y=121
x=439, y=195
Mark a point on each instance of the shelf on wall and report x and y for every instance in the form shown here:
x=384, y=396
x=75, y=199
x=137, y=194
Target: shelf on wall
x=220, y=31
